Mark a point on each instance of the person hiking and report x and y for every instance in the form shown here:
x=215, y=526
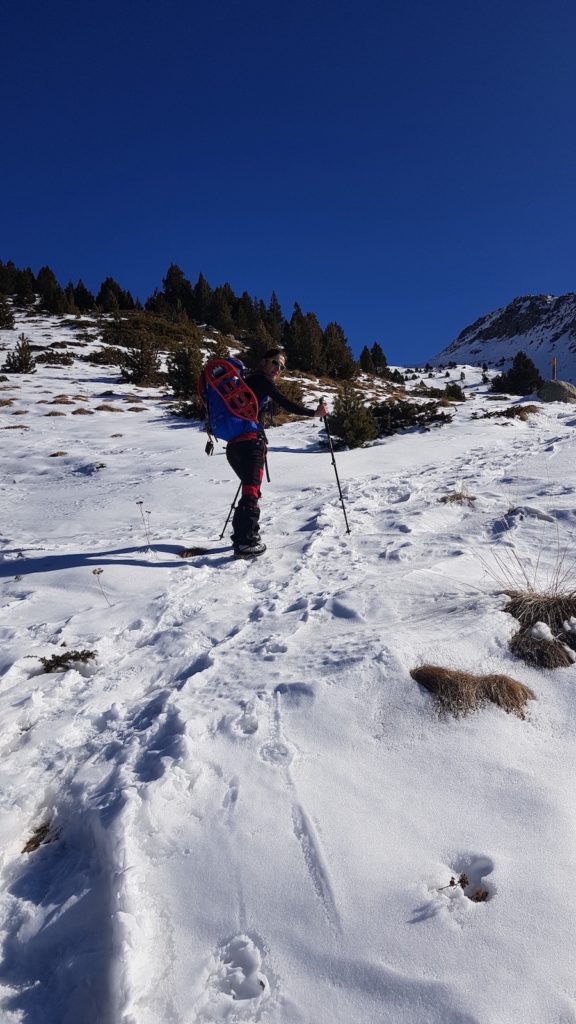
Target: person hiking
x=246, y=454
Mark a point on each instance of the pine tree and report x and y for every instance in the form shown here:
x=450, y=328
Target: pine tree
x=245, y=314
x=378, y=358
x=521, y=379
x=6, y=314
x=454, y=392
x=221, y=311
x=178, y=290
x=25, y=288
x=142, y=364
x=366, y=361
x=83, y=298
x=351, y=420
x=8, y=276
x=256, y=343
x=111, y=297
x=202, y=297
x=303, y=339
x=275, y=319
x=183, y=368
x=21, y=359
x=337, y=357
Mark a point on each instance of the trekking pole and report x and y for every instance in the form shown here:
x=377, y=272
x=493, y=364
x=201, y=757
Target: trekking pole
x=329, y=435
x=232, y=507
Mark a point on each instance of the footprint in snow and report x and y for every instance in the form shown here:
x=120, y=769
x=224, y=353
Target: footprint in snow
x=277, y=752
x=246, y=723
x=237, y=984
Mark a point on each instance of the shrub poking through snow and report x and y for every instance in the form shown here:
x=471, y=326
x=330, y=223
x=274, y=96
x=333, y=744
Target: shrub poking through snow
x=530, y=607
x=351, y=421
x=40, y=837
x=21, y=359
x=63, y=662
x=459, y=498
x=514, y=412
x=97, y=573
x=393, y=417
x=459, y=693
x=535, y=648
x=463, y=882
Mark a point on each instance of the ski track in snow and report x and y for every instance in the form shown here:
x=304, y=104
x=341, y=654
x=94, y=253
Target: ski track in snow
x=158, y=781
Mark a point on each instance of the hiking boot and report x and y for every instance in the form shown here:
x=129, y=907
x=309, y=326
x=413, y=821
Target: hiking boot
x=252, y=550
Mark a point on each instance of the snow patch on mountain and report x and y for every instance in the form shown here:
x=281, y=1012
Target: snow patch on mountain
x=542, y=326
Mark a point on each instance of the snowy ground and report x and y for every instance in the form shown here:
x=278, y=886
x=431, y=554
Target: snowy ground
x=253, y=808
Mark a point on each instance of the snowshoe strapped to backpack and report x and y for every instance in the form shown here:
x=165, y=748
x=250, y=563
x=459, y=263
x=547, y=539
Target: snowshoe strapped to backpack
x=231, y=406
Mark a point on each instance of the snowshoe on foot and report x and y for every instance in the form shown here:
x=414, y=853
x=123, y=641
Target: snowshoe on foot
x=251, y=550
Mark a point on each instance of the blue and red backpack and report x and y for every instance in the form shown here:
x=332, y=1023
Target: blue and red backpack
x=231, y=405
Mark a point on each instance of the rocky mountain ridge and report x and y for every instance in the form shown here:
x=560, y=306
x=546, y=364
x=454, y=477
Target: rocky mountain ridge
x=542, y=326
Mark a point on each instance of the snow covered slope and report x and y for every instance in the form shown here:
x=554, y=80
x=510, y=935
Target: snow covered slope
x=251, y=811
x=542, y=326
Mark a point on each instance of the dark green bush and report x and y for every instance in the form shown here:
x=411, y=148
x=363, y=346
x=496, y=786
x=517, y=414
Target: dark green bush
x=394, y=416
x=521, y=379
x=351, y=421
x=21, y=359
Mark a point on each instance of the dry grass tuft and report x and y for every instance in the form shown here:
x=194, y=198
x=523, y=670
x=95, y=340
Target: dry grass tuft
x=18, y=426
x=56, y=455
x=530, y=607
x=458, y=497
x=514, y=412
x=459, y=693
x=137, y=408
x=106, y=407
x=40, y=837
x=54, y=413
x=82, y=412
x=61, y=400
x=5, y=402
x=535, y=650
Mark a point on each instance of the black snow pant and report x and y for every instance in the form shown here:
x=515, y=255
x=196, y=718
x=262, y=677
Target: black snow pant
x=247, y=460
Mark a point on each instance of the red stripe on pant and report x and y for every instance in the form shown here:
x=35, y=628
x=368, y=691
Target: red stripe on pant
x=251, y=491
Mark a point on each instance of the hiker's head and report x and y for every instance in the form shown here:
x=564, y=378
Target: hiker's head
x=273, y=362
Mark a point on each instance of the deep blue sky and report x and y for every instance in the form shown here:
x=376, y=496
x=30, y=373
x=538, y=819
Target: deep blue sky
x=401, y=167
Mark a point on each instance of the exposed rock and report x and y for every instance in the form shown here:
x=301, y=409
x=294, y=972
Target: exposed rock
x=541, y=326
x=557, y=391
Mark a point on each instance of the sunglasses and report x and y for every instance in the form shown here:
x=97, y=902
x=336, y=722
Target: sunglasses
x=275, y=362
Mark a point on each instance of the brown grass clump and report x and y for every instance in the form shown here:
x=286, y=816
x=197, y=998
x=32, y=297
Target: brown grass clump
x=535, y=650
x=137, y=408
x=17, y=426
x=530, y=607
x=459, y=693
x=106, y=407
x=40, y=836
x=54, y=413
x=56, y=455
x=61, y=400
x=514, y=412
x=82, y=412
x=20, y=412
x=6, y=401
x=459, y=497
